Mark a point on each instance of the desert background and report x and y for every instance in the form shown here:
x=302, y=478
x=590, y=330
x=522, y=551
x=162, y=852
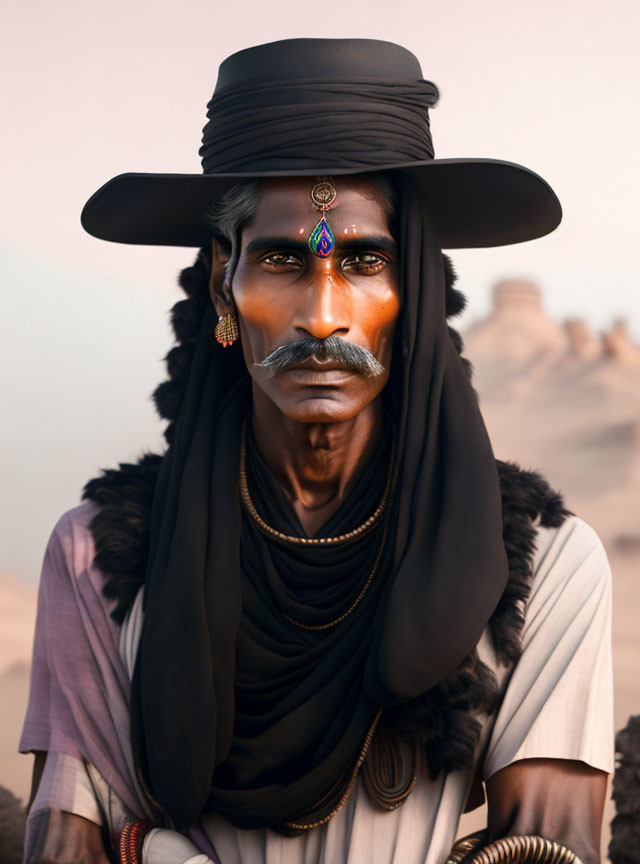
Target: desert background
x=91, y=90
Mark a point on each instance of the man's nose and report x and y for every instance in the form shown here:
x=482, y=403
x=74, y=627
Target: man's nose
x=324, y=305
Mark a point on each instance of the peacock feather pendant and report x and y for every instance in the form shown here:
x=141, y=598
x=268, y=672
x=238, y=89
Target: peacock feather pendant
x=322, y=240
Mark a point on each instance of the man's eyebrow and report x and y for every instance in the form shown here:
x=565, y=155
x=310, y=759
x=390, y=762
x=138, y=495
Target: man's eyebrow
x=344, y=243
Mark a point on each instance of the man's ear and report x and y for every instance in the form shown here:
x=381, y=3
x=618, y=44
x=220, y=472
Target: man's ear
x=218, y=287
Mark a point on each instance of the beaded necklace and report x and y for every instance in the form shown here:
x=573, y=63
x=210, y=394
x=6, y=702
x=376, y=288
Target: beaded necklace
x=363, y=528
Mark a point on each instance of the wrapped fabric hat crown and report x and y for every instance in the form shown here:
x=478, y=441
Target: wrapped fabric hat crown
x=302, y=107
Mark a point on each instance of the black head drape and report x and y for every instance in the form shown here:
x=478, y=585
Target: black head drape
x=444, y=574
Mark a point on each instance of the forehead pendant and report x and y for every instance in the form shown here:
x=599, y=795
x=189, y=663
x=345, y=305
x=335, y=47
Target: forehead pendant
x=322, y=240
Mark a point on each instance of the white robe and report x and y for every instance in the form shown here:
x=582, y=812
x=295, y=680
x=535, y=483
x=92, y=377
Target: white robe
x=556, y=703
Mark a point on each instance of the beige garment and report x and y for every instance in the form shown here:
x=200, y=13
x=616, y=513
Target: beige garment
x=557, y=702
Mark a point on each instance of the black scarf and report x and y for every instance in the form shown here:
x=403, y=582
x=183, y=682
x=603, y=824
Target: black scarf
x=298, y=685
x=447, y=573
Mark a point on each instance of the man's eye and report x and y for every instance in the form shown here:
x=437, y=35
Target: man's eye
x=365, y=262
x=281, y=259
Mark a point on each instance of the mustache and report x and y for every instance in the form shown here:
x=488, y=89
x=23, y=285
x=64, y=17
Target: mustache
x=332, y=348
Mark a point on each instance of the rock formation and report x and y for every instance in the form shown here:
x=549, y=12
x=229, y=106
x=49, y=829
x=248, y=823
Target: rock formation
x=516, y=337
x=618, y=346
x=557, y=397
x=583, y=344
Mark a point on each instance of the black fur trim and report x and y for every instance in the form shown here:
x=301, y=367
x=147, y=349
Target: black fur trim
x=167, y=398
x=178, y=361
x=526, y=496
x=191, y=281
x=445, y=718
x=186, y=321
x=120, y=529
x=455, y=300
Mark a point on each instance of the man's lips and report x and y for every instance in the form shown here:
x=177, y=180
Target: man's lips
x=320, y=372
x=315, y=365
x=330, y=378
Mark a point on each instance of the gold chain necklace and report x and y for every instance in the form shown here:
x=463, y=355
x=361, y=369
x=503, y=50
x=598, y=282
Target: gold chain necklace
x=363, y=528
x=352, y=782
x=357, y=600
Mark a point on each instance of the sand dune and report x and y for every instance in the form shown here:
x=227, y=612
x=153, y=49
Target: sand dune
x=15, y=771
x=17, y=620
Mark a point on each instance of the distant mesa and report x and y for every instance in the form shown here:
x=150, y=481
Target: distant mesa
x=617, y=344
x=516, y=293
x=518, y=331
x=582, y=341
x=563, y=399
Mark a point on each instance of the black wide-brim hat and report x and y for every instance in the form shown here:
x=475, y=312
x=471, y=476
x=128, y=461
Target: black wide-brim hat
x=314, y=107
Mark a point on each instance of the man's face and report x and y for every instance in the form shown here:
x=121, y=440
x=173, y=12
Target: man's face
x=283, y=293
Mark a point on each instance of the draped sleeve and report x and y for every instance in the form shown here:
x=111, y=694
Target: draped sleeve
x=558, y=701
x=79, y=693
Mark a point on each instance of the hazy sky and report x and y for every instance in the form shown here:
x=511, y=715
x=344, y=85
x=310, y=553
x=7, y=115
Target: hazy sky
x=92, y=89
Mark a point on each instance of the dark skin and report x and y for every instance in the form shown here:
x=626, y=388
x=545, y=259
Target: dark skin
x=556, y=798
x=317, y=426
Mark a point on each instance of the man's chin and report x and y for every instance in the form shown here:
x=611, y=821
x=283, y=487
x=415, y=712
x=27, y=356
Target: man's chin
x=321, y=407
x=306, y=403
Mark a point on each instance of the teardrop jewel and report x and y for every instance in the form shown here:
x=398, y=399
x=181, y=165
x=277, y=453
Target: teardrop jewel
x=322, y=239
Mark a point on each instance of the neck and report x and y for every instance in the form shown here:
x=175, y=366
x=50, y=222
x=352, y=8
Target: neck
x=315, y=464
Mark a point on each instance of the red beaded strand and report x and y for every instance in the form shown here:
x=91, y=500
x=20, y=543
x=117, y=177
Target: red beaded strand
x=131, y=840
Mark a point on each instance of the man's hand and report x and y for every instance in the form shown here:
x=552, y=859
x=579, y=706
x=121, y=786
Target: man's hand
x=64, y=838
x=559, y=799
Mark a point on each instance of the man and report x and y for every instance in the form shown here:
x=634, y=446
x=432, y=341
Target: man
x=313, y=646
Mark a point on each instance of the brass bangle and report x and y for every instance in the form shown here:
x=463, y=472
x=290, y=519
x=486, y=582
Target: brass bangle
x=518, y=849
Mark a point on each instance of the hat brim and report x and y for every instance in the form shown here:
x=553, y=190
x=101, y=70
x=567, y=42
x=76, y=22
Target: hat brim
x=476, y=203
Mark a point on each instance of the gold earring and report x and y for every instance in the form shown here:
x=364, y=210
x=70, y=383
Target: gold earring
x=226, y=331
